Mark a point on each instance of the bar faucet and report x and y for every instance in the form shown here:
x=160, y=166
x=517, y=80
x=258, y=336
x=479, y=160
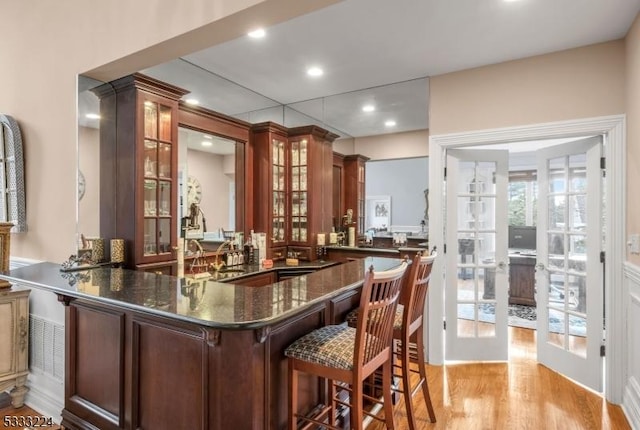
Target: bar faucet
x=217, y=264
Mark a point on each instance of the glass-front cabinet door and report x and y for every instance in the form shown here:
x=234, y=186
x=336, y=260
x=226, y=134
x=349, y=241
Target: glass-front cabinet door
x=278, y=173
x=157, y=172
x=299, y=191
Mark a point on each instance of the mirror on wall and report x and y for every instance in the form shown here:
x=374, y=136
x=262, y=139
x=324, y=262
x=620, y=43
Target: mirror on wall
x=396, y=193
x=89, y=168
x=206, y=168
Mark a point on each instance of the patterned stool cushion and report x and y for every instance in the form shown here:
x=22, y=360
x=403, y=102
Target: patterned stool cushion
x=330, y=346
x=352, y=318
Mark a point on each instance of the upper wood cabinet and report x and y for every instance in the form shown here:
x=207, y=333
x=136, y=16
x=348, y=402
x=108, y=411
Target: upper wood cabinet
x=293, y=187
x=269, y=145
x=354, y=189
x=338, y=188
x=138, y=169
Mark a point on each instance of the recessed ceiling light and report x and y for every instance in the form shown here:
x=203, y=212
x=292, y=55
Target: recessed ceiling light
x=206, y=143
x=315, y=71
x=192, y=101
x=92, y=116
x=258, y=33
x=368, y=108
x=390, y=123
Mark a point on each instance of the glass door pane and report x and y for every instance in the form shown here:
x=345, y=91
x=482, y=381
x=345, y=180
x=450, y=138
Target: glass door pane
x=476, y=253
x=569, y=271
x=566, y=241
x=278, y=191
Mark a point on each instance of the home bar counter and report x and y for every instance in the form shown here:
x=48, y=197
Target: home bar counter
x=148, y=351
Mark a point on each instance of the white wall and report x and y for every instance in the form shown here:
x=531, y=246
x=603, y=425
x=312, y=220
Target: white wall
x=215, y=175
x=404, y=180
x=88, y=163
x=394, y=145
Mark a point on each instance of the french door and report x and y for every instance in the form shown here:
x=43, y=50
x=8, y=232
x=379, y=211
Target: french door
x=569, y=271
x=476, y=255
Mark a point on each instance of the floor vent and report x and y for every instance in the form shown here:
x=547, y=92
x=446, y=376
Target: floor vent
x=46, y=347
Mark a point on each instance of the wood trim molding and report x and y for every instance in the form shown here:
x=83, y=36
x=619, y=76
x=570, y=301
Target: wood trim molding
x=262, y=334
x=212, y=336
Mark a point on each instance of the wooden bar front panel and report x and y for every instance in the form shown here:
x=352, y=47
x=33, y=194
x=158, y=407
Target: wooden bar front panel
x=169, y=367
x=131, y=370
x=94, y=365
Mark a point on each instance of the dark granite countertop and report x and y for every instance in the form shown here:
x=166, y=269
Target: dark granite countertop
x=203, y=301
x=372, y=249
x=235, y=273
x=364, y=249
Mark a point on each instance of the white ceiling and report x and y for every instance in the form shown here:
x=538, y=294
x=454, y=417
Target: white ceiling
x=364, y=46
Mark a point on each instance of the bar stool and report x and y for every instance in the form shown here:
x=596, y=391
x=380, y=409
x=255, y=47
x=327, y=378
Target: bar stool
x=408, y=334
x=345, y=356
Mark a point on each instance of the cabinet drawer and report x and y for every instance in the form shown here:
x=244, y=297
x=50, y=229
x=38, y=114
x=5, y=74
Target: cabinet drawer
x=159, y=268
x=278, y=253
x=301, y=252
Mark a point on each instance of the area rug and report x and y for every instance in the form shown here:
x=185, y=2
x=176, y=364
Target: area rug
x=521, y=316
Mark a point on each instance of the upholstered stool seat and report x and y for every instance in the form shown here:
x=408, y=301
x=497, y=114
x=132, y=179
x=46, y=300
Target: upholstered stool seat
x=330, y=346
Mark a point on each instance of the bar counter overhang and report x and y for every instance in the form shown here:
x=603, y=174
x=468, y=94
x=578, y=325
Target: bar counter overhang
x=147, y=351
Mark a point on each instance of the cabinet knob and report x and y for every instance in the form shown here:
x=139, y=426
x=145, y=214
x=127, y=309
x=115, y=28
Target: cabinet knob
x=540, y=267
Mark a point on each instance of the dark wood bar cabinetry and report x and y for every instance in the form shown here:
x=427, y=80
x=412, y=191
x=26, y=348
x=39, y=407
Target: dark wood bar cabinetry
x=354, y=190
x=138, y=169
x=292, y=185
x=148, y=351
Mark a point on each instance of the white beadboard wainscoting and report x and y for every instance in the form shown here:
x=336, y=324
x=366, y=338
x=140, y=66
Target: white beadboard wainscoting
x=631, y=400
x=46, y=350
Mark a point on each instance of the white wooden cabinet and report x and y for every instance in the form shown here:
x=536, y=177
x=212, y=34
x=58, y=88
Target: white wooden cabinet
x=14, y=342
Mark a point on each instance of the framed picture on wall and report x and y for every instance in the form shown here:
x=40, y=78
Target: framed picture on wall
x=378, y=212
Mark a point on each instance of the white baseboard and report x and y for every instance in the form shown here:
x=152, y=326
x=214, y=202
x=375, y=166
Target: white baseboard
x=631, y=403
x=45, y=395
x=16, y=262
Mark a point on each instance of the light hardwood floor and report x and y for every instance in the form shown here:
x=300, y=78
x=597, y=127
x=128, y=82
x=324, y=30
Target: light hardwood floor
x=521, y=394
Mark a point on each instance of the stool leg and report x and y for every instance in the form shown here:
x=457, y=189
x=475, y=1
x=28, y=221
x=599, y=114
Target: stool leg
x=386, y=389
x=332, y=402
x=356, y=405
x=423, y=373
x=293, y=397
x=406, y=382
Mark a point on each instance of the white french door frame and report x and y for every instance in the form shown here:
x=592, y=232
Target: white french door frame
x=613, y=130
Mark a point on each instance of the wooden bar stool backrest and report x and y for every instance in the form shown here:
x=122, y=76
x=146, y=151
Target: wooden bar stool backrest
x=374, y=330
x=415, y=292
